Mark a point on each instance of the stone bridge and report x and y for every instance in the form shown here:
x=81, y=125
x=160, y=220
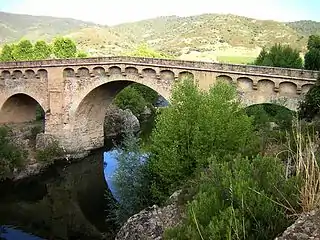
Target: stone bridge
x=74, y=93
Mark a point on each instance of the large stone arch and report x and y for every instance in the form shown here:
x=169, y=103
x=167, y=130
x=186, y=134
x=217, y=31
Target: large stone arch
x=87, y=113
x=20, y=107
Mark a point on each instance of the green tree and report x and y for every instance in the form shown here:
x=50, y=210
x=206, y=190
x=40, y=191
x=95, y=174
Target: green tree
x=280, y=56
x=6, y=53
x=42, y=50
x=23, y=51
x=312, y=57
x=130, y=180
x=313, y=42
x=143, y=50
x=64, y=48
x=309, y=107
x=197, y=125
x=131, y=98
x=81, y=54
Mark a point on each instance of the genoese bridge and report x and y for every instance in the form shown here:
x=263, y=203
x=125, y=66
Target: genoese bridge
x=75, y=93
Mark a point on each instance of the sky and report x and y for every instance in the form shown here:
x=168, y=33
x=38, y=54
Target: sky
x=112, y=12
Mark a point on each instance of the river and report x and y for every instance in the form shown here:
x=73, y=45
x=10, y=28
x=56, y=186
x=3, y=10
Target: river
x=67, y=201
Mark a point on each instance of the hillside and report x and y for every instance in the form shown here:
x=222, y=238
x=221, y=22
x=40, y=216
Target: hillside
x=207, y=37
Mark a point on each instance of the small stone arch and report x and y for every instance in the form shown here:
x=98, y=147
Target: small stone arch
x=186, y=74
x=224, y=78
x=68, y=72
x=167, y=75
x=245, y=84
x=266, y=86
x=6, y=74
x=287, y=88
x=149, y=72
x=17, y=74
x=305, y=88
x=42, y=73
x=99, y=71
x=30, y=74
x=83, y=72
x=114, y=70
x=132, y=71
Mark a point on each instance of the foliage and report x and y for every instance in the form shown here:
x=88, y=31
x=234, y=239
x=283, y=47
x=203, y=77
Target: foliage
x=131, y=98
x=309, y=107
x=241, y=199
x=280, y=56
x=82, y=55
x=6, y=53
x=197, y=125
x=130, y=180
x=143, y=50
x=312, y=57
x=313, y=42
x=265, y=113
x=42, y=50
x=49, y=153
x=64, y=48
x=23, y=50
x=11, y=156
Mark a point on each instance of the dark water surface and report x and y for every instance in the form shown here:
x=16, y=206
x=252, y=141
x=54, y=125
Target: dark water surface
x=65, y=202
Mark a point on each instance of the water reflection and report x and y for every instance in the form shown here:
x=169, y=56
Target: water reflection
x=8, y=233
x=65, y=202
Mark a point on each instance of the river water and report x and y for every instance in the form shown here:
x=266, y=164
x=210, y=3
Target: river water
x=67, y=201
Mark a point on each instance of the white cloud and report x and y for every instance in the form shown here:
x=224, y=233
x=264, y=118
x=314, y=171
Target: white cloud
x=117, y=11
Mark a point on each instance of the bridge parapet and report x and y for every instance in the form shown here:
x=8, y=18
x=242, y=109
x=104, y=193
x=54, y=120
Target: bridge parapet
x=191, y=65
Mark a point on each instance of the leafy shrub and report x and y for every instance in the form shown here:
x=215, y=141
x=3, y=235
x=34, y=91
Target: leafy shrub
x=11, y=156
x=50, y=153
x=241, y=199
x=130, y=180
x=197, y=125
x=309, y=107
x=35, y=130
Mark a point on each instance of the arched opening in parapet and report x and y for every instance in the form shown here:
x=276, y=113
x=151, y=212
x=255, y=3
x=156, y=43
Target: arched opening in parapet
x=22, y=109
x=270, y=115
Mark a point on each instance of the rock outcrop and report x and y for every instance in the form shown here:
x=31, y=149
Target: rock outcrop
x=120, y=121
x=306, y=227
x=150, y=223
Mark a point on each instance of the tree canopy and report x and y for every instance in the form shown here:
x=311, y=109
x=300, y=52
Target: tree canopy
x=279, y=56
x=25, y=50
x=143, y=50
x=312, y=57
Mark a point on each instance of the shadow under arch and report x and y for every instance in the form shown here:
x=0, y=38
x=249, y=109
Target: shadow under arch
x=21, y=108
x=89, y=115
x=264, y=113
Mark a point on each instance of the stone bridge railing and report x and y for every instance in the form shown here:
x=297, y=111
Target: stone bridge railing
x=196, y=65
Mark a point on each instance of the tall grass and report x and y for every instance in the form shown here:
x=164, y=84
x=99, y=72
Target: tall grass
x=303, y=147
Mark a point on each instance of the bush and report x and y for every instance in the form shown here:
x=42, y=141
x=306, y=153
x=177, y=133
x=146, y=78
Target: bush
x=11, y=156
x=197, y=125
x=50, y=153
x=130, y=180
x=241, y=199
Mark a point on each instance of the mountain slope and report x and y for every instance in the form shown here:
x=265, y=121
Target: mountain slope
x=16, y=26
x=214, y=37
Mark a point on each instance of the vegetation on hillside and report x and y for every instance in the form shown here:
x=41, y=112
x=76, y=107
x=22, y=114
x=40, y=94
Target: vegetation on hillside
x=207, y=36
x=279, y=56
x=25, y=50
